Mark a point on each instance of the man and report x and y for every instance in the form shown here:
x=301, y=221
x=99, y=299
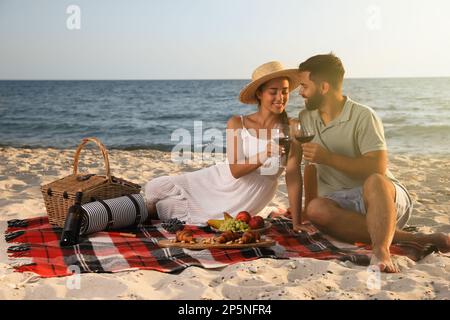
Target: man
x=359, y=199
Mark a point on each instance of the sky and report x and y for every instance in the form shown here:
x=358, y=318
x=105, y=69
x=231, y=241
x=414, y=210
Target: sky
x=220, y=39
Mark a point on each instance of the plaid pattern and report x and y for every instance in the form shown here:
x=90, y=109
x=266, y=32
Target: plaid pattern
x=37, y=242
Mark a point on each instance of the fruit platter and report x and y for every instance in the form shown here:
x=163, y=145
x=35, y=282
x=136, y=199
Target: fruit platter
x=241, y=223
x=226, y=240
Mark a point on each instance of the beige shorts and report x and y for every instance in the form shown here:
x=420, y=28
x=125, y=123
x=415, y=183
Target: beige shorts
x=352, y=199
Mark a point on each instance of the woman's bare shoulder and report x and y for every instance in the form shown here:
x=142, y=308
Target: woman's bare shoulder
x=234, y=122
x=250, y=119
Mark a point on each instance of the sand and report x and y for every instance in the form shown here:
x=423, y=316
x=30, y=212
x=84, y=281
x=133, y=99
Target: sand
x=22, y=171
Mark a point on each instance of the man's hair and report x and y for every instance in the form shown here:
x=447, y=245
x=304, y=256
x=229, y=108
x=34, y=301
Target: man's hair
x=324, y=67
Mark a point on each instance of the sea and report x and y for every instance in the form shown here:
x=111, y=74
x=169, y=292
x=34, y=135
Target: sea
x=150, y=114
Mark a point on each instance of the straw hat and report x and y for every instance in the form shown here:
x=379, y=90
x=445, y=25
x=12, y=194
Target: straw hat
x=264, y=73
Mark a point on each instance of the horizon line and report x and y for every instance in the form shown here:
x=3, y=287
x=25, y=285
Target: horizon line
x=212, y=79
x=218, y=79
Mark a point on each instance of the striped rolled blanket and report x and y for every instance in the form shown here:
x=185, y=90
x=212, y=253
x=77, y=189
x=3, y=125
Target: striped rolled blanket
x=114, y=213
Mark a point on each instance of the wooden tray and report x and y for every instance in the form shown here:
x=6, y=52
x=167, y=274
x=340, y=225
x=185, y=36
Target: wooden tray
x=200, y=246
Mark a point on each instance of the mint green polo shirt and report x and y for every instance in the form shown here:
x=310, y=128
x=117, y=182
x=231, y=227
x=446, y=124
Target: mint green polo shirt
x=356, y=131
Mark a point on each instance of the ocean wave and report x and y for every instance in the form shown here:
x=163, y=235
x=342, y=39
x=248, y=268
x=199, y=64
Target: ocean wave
x=415, y=130
x=133, y=115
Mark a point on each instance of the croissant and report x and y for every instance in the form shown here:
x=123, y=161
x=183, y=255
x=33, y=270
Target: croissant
x=227, y=236
x=250, y=237
x=184, y=235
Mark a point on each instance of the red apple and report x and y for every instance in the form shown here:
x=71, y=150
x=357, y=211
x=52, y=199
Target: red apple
x=244, y=216
x=256, y=222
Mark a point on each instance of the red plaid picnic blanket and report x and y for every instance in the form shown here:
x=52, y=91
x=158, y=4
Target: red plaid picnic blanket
x=37, y=242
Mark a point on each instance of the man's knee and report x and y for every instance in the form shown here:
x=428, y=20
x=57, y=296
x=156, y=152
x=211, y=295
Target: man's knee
x=320, y=211
x=375, y=184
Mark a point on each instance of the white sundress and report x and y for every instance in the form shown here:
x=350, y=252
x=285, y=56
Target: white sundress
x=198, y=196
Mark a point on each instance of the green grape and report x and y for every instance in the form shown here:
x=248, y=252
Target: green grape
x=234, y=225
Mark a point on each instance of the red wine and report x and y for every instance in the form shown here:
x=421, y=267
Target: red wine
x=304, y=139
x=286, y=143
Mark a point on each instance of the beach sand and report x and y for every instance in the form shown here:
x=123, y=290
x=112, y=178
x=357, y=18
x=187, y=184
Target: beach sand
x=22, y=171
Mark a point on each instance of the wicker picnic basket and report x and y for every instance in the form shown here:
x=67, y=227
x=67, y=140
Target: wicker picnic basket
x=59, y=195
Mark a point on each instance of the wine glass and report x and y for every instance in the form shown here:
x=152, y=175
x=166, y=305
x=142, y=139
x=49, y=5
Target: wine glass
x=283, y=138
x=303, y=133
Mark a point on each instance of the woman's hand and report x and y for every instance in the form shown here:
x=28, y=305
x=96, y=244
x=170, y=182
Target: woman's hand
x=274, y=149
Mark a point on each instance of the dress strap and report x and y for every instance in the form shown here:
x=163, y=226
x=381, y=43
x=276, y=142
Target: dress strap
x=244, y=131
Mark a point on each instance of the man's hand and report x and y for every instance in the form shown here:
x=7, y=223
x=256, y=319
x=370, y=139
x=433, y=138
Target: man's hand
x=304, y=227
x=314, y=152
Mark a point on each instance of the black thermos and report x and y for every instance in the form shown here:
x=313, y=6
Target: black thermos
x=71, y=232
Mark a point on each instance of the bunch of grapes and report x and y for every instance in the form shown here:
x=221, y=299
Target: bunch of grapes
x=234, y=225
x=173, y=225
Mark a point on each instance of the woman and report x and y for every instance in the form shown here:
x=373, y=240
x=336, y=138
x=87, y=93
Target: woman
x=239, y=185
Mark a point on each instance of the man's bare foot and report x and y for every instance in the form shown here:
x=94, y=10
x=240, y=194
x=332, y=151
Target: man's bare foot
x=382, y=259
x=440, y=240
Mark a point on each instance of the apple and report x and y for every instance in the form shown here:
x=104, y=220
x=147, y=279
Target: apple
x=256, y=222
x=244, y=216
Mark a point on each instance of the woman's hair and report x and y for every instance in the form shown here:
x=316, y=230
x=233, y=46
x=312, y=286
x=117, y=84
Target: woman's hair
x=285, y=120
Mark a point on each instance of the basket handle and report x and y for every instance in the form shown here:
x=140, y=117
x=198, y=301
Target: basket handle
x=102, y=149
